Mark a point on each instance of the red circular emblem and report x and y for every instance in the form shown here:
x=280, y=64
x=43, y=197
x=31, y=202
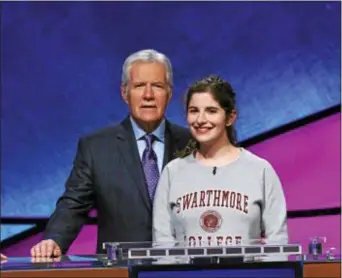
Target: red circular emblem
x=210, y=221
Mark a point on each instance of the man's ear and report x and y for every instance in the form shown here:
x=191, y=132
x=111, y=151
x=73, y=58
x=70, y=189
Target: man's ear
x=124, y=93
x=232, y=118
x=169, y=94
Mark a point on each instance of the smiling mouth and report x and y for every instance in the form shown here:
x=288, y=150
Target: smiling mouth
x=202, y=129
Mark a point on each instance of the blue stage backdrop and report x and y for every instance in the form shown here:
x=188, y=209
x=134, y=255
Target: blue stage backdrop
x=61, y=68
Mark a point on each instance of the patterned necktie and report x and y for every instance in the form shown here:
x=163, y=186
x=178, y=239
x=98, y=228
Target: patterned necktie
x=150, y=165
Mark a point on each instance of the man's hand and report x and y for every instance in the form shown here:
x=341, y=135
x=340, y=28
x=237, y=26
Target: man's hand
x=3, y=257
x=45, y=260
x=46, y=248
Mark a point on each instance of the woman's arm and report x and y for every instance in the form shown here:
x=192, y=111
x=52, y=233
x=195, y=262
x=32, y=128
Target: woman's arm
x=274, y=213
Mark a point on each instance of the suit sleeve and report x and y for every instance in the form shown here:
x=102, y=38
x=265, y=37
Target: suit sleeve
x=274, y=213
x=73, y=206
x=162, y=213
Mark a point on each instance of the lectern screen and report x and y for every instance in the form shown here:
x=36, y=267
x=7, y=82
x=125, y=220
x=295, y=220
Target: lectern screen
x=248, y=270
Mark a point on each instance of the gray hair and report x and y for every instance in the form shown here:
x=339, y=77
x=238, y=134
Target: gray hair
x=147, y=55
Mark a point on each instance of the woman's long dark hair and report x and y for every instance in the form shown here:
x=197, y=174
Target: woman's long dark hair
x=224, y=94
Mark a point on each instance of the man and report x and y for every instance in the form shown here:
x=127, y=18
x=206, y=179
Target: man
x=116, y=169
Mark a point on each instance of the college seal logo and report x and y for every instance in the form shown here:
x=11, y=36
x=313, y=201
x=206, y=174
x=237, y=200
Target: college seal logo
x=210, y=221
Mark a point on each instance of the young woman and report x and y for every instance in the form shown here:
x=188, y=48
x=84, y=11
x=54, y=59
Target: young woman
x=216, y=193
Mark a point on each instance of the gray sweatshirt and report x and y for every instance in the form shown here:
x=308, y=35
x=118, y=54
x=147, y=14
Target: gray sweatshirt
x=228, y=205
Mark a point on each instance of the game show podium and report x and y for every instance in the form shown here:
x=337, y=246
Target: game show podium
x=144, y=261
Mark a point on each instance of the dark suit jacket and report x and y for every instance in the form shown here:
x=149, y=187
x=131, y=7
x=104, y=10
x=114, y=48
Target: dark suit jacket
x=108, y=175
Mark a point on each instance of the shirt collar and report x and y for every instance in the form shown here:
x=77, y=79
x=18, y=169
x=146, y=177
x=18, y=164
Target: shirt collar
x=159, y=133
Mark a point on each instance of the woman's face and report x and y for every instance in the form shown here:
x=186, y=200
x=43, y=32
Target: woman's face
x=206, y=119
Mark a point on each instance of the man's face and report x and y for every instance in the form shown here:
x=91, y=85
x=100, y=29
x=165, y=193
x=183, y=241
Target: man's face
x=147, y=93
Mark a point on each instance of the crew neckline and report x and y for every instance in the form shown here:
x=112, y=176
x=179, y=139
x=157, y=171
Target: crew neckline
x=236, y=160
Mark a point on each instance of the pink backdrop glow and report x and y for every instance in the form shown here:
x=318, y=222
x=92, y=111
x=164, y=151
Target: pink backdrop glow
x=308, y=162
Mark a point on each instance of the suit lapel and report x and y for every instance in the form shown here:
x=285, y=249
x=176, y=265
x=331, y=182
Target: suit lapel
x=171, y=143
x=130, y=154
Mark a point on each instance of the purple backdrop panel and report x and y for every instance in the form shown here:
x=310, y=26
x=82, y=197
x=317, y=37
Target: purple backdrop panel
x=85, y=243
x=302, y=229
x=22, y=248
x=308, y=161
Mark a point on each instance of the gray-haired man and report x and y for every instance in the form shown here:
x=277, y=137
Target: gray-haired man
x=117, y=168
